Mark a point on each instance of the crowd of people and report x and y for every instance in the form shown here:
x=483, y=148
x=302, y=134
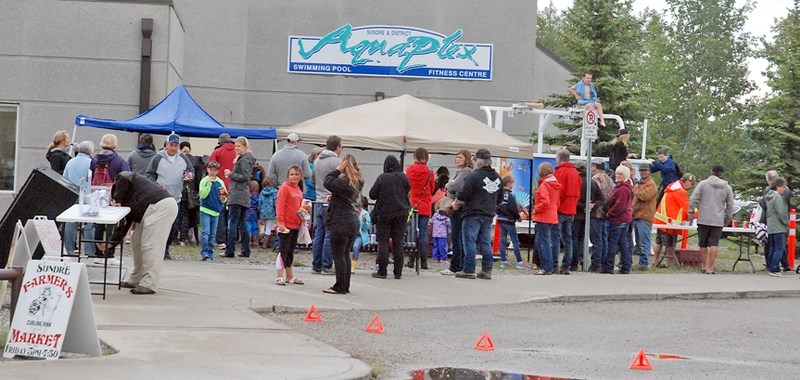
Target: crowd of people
x=234, y=201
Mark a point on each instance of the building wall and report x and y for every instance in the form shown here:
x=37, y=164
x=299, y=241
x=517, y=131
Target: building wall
x=66, y=58
x=60, y=59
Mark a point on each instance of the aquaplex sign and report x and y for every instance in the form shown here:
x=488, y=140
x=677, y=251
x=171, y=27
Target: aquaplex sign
x=393, y=51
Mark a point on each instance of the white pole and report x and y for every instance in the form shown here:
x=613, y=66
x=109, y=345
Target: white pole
x=644, y=138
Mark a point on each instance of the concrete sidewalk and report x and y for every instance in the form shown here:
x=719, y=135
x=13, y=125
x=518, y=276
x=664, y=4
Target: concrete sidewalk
x=202, y=323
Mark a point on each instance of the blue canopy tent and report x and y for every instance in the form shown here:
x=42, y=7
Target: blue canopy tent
x=178, y=113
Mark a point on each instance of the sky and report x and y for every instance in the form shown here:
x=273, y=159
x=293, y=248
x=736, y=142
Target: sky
x=761, y=19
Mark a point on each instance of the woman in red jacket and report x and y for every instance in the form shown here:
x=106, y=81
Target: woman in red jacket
x=290, y=199
x=545, y=214
x=421, y=179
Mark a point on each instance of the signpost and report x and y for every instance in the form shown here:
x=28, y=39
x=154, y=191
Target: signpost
x=589, y=134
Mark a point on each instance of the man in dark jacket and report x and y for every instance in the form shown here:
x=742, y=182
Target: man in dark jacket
x=478, y=199
x=579, y=227
x=390, y=214
x=153, y=210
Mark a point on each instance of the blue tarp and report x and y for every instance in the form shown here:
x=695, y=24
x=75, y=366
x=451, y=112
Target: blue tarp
x=178, y=113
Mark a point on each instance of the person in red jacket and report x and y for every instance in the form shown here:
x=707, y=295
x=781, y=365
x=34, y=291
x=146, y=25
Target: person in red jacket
x=290, y=200
x=570, y=180
x=224, y=154
x=422, y=183
x=545, y=214
x=619, y=212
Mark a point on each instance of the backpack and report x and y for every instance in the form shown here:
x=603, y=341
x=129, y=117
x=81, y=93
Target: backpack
x=101, y=176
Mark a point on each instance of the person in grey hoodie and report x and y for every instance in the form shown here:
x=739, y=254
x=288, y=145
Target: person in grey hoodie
x=714, y=197
x=139, y=159
x=326, y=162
x=169, y=169
x=282, y=160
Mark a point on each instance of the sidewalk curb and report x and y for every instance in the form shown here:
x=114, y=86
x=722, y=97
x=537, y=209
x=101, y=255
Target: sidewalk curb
x=756, y=294
x=675, y=296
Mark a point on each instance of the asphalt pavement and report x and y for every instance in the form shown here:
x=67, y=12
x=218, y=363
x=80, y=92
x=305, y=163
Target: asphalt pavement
x=204, y=321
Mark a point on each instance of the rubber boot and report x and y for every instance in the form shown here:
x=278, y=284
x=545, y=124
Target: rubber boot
x=353, y=264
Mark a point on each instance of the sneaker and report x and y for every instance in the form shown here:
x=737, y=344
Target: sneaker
x=316, y=271
x=378, y=275
x=111, y=262
x=484, y=275
x=776, y=274
x=127, y=239
x=522, y=265
x=142, y=290
x=328, y=271
x=127, y=285
x=503, y=264
x=447, y=272
x=470, y=276
x=222, y=246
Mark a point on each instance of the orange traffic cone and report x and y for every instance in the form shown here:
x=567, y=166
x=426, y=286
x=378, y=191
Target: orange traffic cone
x=485, y=343
x=313, y=315
x=641, y=362
x=375, y=326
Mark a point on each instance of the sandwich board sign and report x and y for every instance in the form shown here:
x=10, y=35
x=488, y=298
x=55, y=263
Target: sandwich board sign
x=54, y=312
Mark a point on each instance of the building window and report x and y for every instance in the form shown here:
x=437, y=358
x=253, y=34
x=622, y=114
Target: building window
x=8, y=146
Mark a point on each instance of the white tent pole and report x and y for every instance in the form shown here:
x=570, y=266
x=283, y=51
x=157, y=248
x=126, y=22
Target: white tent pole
x=74, y=132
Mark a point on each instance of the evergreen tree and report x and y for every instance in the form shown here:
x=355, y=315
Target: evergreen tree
x=602, y=37
x=776, y=131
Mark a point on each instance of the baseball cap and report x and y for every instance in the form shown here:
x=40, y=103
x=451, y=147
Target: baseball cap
x=212, y=164
x=293, y=137
x=483, y=154
x=688, y=177
x=173, y=138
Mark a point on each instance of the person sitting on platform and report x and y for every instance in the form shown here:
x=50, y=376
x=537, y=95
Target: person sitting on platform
x=586, y=95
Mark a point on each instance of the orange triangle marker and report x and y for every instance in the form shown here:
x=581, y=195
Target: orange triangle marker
x=313, y=315
x=485, y=343
x=375, y=327
x=641, y=362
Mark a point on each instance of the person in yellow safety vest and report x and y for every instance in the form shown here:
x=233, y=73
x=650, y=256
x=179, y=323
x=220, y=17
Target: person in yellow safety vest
x=674, y=208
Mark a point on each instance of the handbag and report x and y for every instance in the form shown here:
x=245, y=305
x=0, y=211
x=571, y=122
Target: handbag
x=446, y=207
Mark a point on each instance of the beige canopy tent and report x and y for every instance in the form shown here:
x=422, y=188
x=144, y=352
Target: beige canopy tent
x=405, y=123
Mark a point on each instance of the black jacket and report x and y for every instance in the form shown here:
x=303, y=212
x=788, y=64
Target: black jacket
x=617, y=154
x=344, y=207
x=481, y=193
x=390, y=192
x=137, y=192
x=58, y=160
x=508, y=210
